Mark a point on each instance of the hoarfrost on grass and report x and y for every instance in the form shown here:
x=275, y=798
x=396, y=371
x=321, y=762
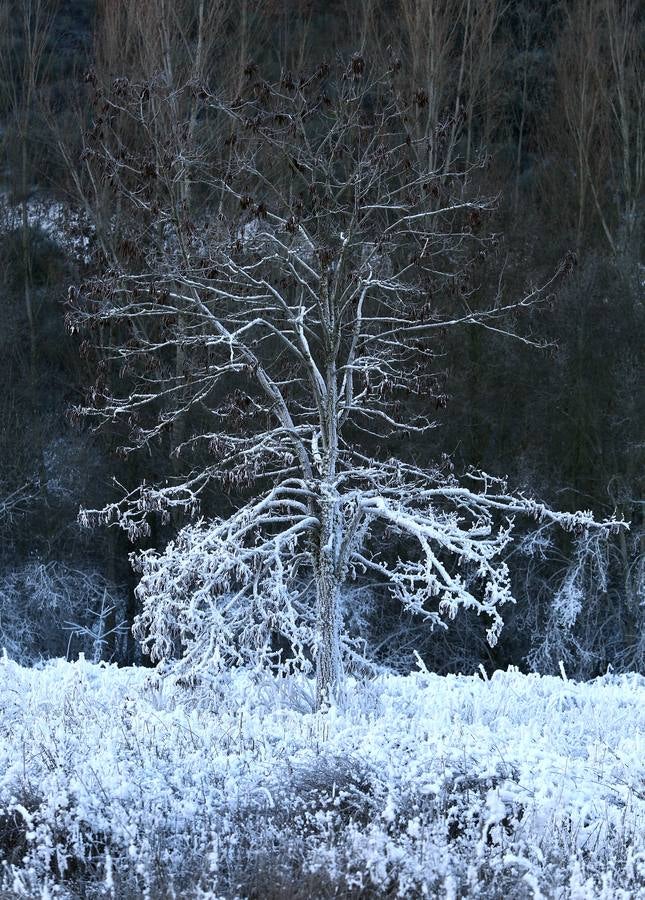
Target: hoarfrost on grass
x=114, y=782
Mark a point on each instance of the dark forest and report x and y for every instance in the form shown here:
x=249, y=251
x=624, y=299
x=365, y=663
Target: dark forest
x=538, y=109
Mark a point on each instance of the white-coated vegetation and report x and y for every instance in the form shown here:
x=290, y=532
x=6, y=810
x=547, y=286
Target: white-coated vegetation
x=51, y=608
x=116, y=783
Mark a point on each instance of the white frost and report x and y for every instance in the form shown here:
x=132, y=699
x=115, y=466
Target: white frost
x=420, y=785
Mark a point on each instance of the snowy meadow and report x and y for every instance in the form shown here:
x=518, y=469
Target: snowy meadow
x=117, y=783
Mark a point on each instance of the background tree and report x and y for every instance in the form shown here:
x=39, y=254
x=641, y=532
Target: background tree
x=23, y=65
x=599, y=66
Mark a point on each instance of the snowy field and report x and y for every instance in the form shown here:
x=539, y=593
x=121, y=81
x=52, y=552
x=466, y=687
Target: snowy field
x=113, y=784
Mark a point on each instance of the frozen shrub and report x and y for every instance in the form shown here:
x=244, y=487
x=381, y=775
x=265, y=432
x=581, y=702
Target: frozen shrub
x=53, y=609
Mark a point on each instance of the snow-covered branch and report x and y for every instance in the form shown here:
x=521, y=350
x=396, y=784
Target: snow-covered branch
x=272, y=333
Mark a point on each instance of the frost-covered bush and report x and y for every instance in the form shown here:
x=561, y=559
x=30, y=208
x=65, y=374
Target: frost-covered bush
x=114, y=782
x=587, y=606
x=53, y=609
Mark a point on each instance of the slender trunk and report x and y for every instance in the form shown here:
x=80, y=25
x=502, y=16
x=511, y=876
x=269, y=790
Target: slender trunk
x=520, y=138
x=243, y=45
x=27, y=262
x=581, y=202
x=459, y=87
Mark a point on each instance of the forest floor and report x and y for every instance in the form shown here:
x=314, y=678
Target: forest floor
x=114, y=783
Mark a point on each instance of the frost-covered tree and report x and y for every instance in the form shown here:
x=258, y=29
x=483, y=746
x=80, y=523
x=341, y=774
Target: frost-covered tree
x=275, y=318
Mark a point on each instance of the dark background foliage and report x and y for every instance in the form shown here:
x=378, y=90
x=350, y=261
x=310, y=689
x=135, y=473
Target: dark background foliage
x=547, y=97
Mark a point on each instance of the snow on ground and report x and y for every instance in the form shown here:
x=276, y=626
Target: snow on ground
x=115, y=783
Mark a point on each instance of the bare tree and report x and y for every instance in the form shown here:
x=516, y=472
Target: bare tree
x=599, y=64
x=302, y=287
x=527, y=59
x=23, y=64
x=434, y=40
x=623, y=93
x=484, y=59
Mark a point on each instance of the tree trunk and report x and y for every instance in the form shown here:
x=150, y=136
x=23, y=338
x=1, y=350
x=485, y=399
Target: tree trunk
x=329, y=666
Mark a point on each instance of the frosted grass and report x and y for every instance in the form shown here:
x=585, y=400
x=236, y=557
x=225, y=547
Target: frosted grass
x=114, y=782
